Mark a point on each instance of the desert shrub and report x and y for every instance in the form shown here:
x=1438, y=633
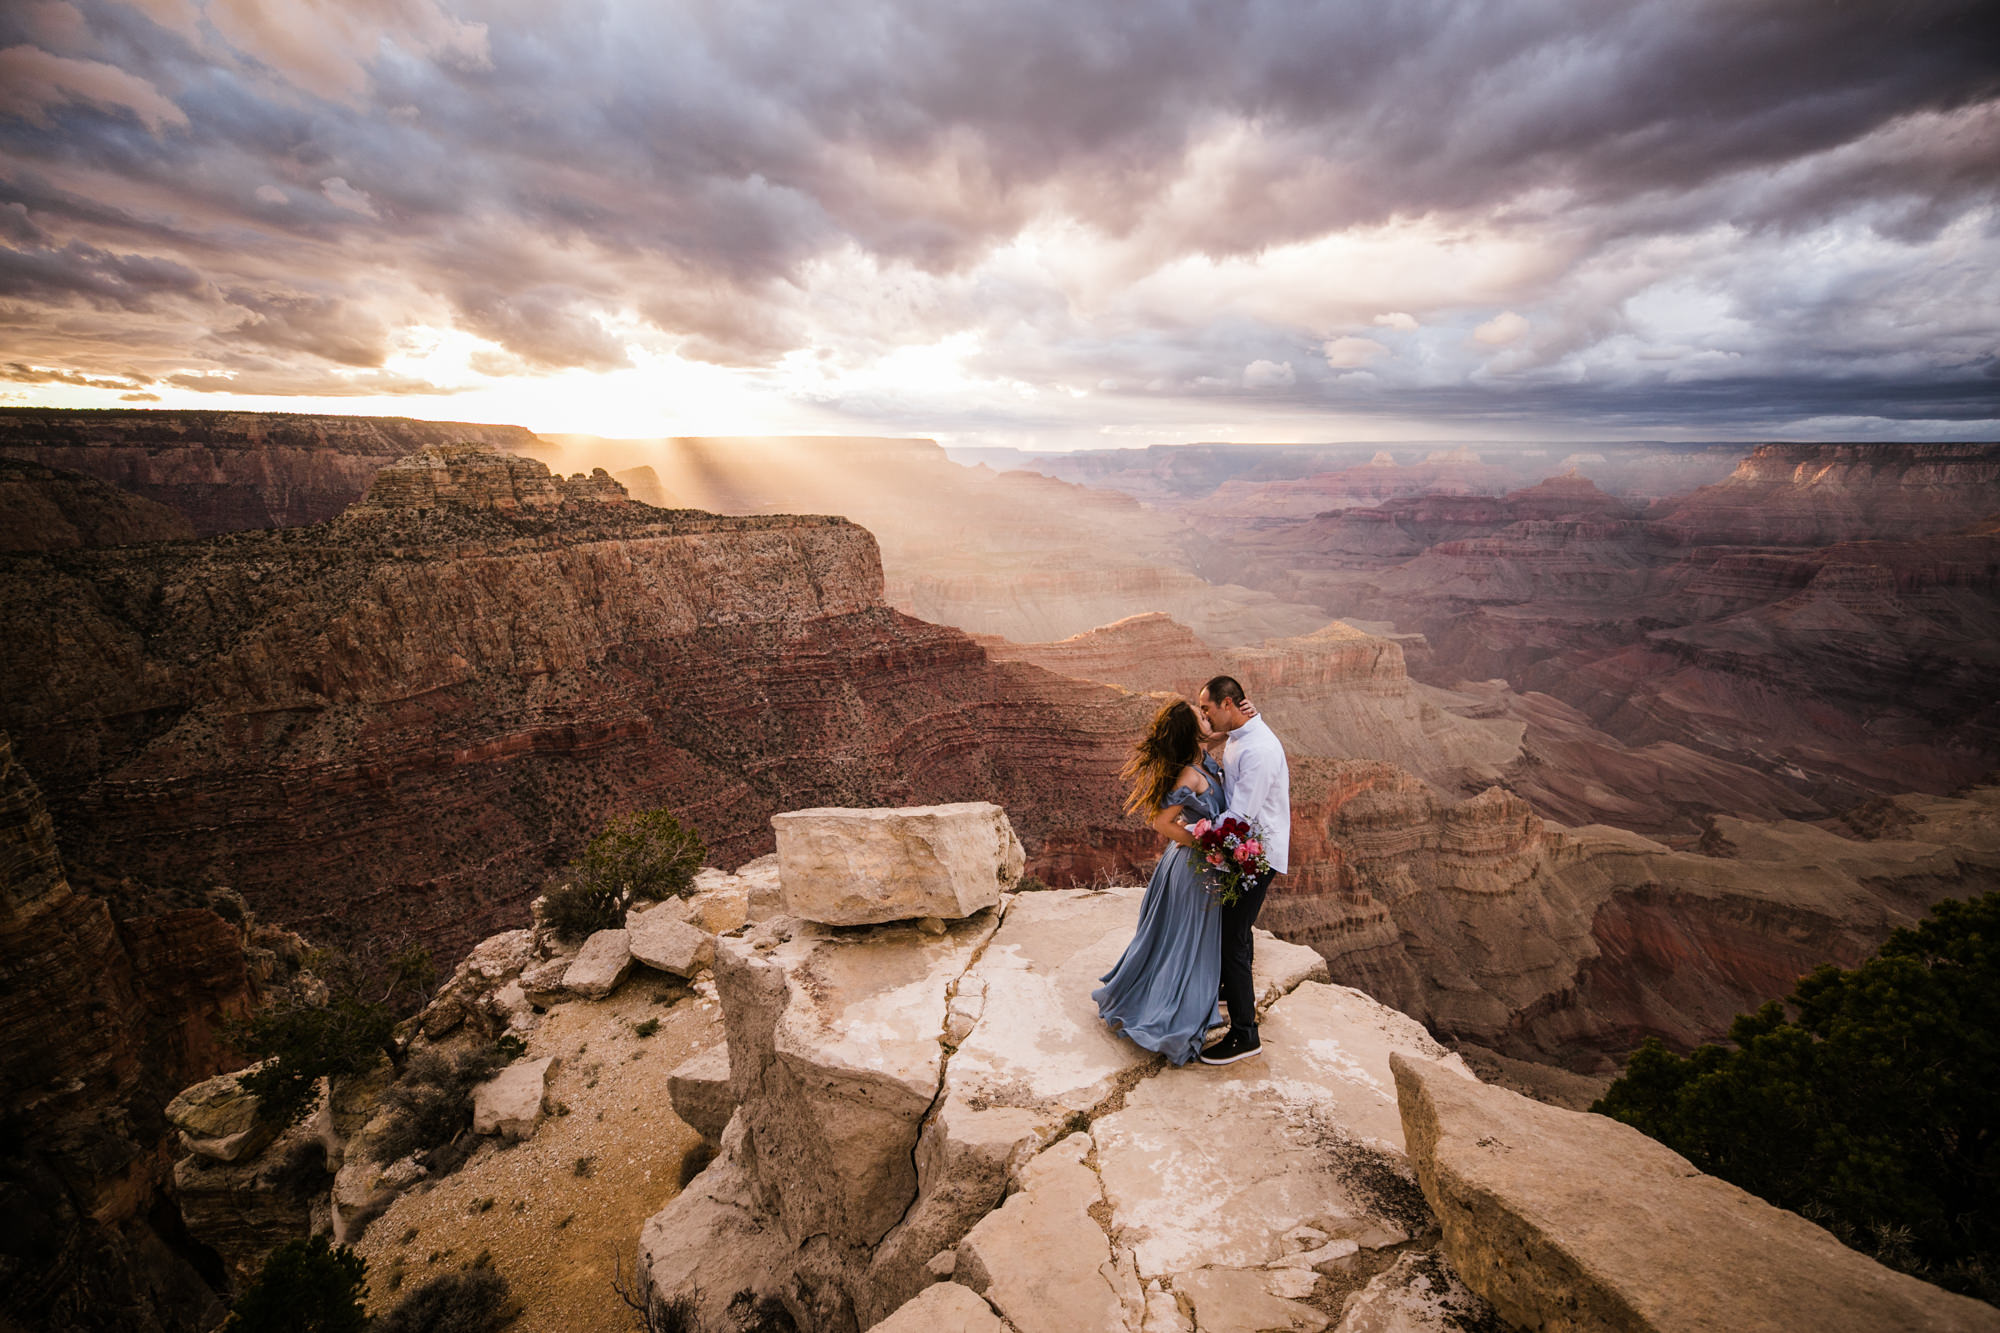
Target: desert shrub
x=305, y=1286
x=644, y=856
x=472, y=1300
x=431, y=1103
x=305, y=1042
x=576, y=911
x=1864, y=1101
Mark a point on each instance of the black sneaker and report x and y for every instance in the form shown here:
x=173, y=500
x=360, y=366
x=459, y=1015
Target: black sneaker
x=1239, y=1044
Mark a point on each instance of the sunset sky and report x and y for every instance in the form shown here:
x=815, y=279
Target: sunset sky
x=1073, y=224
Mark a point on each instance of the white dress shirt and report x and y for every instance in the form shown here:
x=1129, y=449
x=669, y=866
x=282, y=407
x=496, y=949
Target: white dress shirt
x=1257, y=786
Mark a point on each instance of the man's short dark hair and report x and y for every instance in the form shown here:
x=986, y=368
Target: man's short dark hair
x=1224, y=690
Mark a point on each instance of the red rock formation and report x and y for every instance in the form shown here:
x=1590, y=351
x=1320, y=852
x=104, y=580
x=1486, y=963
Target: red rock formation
x=1813, y=494
x=1572, y=945
x=229, y=471
x=101, y=1022
x=398, y=722
x=45, y=509
x=1014, y=554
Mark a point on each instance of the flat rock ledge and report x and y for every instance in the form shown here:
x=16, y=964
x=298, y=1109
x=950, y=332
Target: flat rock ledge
x=933, y=1130
x=1570, y=1221
x=861, y=867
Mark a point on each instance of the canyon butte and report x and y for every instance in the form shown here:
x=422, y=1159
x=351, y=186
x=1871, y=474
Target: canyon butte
x=1573, y=764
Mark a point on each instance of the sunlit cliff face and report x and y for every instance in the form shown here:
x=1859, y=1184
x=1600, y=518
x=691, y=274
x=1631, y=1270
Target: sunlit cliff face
x=1025, y=223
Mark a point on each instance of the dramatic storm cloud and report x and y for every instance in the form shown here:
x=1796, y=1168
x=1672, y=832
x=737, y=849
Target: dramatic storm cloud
x=1022, y=222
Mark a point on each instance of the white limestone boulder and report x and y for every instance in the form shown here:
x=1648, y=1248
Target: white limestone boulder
x=217, y=1119
x=662, y=940
x=600, y=965
x=1566, y=1220
x=511, y=1102
x=859, y=867
x=702, y=1094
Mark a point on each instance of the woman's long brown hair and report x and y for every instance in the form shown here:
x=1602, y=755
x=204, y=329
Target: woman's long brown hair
x=1171, y=744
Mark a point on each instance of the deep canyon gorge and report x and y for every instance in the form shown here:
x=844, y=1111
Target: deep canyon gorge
x=1588, y=745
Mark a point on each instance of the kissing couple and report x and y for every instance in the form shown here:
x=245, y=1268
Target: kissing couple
x=1190, y=943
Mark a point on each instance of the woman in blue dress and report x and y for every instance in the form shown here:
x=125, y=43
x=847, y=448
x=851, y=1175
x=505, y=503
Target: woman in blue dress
x=1162, y=992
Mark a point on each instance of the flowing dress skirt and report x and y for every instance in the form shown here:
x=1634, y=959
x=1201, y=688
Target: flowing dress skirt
x=1162, y=991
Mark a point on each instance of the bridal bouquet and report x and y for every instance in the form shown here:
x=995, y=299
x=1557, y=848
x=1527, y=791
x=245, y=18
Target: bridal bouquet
x=1232, y=855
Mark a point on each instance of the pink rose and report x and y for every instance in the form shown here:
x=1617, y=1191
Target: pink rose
x=1199, y=827
x=1254, y=847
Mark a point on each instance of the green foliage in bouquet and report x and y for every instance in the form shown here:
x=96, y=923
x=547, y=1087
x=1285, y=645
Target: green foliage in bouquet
x=1865, y=1101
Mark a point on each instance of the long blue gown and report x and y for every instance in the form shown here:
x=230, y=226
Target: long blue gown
x=1162, y=991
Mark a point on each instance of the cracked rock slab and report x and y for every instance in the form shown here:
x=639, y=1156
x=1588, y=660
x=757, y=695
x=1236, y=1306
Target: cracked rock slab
x=1041, y=1259
x=1224, y=1166
x=1228, y=1300
x=945, y=1307
x=835, y=1048
x=1565, y=1220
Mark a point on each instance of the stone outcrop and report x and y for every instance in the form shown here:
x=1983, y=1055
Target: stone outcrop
x=1014, y=554
x=915, y=1110
x=47, y=509
x=661, y=939
x=1570, y=1221
x=862, y=867
x=599, y=965
x=1817, y=494
x=1491, y=924
x=228, y=471
x=392, y=724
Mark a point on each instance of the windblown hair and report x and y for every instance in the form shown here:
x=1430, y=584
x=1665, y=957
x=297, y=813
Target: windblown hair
x=1170, y=744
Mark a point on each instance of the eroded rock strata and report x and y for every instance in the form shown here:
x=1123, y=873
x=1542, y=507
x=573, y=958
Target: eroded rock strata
x=45, y=508
x=1824, y=618
x=103, y=1017
x=391, y=725
x=228, y=471
x=1571, y=945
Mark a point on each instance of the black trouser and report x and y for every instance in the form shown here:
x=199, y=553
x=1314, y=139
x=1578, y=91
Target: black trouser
x=1238, y=948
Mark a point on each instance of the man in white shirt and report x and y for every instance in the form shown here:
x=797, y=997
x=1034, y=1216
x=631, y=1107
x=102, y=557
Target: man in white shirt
x=1256, y=786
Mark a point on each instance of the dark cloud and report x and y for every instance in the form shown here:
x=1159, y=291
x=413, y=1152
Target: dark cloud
x=293, y=182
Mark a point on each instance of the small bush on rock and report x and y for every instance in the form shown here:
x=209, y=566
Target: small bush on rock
x=641, y=857
x=432, y=1101
x=305, y=1286
x=1865, y=1101
x=304, y=1042
x=473, y=1300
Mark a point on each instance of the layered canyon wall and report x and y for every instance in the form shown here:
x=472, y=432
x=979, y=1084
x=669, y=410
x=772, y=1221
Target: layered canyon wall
x=107, y=1008
x=230, y=471
x=395, y=725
